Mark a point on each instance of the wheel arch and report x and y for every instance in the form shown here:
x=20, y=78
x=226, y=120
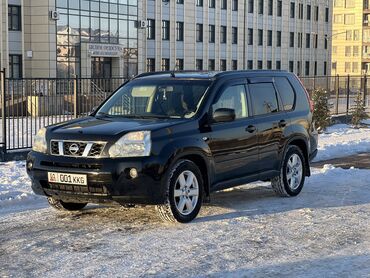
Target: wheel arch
x=302, y=144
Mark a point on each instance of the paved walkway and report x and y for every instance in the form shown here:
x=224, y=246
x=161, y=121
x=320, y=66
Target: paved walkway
x=361, y=161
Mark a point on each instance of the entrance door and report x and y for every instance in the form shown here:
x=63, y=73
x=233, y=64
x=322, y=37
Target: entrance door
x=101, y=67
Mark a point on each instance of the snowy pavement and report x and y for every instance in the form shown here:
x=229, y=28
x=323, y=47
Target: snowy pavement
x=246, y=231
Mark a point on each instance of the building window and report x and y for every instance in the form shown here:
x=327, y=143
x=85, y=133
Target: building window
x=15, y=66
x=14, y=18
x=223, y=65
x=180, y=64
x=250, y=64
x=308, y=40
x=315, y=36
x=356, y=51
x=212, y=4
x=151, y=29
x=260, y=37
x=356, y=35
x=165, y=30
x=315, y=69
x=250, y=36
x=180, y=2
x=250, y=6
x=348, y=35
x=292, y=10
x=269, y=7
x=212, y=33
x=298, y=68
x=259, y=64
x=234, y=35
x=326, y=14
x=234, y=64
x=334, y=65
x=291, y=39
x=354, y=67
x=179, y=31
x=299, y=40
x=325, y=68
x=307, y=68
x=269, y=64
x=347, y=66
x=279, y=8
x=199, y=64
x=291, y=66
x=316, y=17
x=278, y=38
x=325, y=43
x=150, y=65
x=338, y=18
x=260, y=6
x=199, y=34
x=300, y=11
x=223, y=4
x=308, y=12
x=348, y=51
x=211, y=64
x=235, y=5
x=349, y=19
x=223, y=37
x=199, y=3
x=278, y=65
x=165, y=66
x=269, y=38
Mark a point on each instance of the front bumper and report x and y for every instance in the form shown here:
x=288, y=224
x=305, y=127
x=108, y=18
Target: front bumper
x=108, y=179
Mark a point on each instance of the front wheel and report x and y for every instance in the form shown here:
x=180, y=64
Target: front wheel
x=292, y=174
x=60, y=205
x=184, y=193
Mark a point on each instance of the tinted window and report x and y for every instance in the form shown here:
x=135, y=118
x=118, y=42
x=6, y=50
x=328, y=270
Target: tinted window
x=233, y=97
x=263, y=97
x=286, y=92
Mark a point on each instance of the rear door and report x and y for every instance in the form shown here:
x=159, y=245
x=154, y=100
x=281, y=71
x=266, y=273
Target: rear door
x=233, y=144
x=269, y=119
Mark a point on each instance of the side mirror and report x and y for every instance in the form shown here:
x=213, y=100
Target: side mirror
x=93, y=110
x=222, y=115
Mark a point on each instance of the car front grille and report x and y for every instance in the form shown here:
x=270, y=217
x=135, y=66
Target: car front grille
x=76, y=148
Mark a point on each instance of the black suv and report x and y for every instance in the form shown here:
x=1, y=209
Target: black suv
x=171, y=138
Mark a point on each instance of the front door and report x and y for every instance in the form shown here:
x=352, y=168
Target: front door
x=233, y=144
x=101, y=67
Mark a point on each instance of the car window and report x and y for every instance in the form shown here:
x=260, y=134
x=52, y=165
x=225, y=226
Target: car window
x=233, y=97
x=263, y=97
x=286, y=92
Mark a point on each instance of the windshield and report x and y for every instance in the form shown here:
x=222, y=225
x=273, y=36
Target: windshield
x=156, y=98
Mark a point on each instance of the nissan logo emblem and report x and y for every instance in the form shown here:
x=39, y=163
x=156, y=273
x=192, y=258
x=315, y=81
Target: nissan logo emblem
x=74, y=148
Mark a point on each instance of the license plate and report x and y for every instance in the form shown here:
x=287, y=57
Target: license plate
x=66, y=178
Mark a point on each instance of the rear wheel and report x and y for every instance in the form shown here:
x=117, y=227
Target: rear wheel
x=292, y=174
x=184, y=193
x=60, y=205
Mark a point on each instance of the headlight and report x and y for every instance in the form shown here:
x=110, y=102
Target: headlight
x=133, y=144
x=39, y=142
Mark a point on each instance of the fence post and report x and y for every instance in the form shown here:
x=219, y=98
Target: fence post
x=365, y=88
x=337, y=95
x=348, y=81
x=75, y=97
x=3, y=113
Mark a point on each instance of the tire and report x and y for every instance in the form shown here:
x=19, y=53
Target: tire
x=63, y=206
x=292, y=174
x=184, y=193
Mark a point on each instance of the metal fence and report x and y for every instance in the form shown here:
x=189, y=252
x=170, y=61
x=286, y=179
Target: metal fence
x=29, y=104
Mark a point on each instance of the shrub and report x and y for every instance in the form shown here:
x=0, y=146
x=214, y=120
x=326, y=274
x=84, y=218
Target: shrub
x=358, y=111
x=321, y=113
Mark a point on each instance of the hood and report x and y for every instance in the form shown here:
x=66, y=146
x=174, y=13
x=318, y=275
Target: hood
x=108, y=127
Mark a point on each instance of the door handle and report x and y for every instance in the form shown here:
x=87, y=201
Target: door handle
x=251, y=128
x=282, y=123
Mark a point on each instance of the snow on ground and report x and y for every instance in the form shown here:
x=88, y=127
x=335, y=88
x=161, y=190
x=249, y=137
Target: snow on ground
x=341, y=140
x=247, y=231
x=244, y=232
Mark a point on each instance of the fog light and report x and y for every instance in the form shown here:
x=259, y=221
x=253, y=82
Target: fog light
x=133, y=173
x=29, y=165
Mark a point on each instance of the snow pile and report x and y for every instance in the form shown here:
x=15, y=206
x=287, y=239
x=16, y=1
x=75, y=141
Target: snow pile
x=15, y=186
x=341, y=140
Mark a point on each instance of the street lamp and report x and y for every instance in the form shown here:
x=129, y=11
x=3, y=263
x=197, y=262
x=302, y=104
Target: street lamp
x=327, y=38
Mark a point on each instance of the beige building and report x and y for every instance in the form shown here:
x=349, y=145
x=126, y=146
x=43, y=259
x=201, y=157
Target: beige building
x=119, y=38
x=351, y=37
